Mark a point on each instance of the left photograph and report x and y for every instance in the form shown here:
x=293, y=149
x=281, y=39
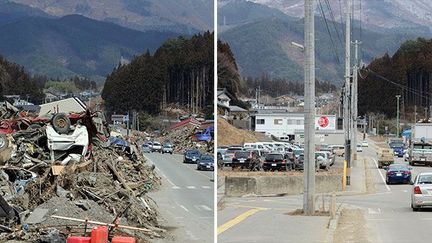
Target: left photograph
x=107, y=121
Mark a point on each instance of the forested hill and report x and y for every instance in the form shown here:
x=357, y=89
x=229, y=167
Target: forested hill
x=180, y=72
x=406, y=73
x=14, y=80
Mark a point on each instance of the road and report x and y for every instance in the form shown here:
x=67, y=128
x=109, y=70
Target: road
x=185, y=199
x=387, y=212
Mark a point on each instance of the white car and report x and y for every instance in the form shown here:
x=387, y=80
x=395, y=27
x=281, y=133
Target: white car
x=359, y=148
x=365, y=143
x=421, y=193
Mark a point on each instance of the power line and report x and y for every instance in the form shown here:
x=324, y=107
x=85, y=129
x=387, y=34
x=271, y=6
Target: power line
x=334, y=21
x=329, y=32
x=341, y=17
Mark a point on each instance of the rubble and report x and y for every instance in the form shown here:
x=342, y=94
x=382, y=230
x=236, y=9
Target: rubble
x=184, y=138
x=89, y=179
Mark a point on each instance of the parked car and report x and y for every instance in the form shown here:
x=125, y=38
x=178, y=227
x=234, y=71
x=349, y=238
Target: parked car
x=421, y=189
x=205, y=162
x=339, y=150
x=322, y=158
x=299, y=162
x=167, y=148
x=229, y=155
x=365, y=143
x=191, y=156
x=242, y=159
x=277, y=161
x=359, y=148
x=398, y=173
x=146, y=148
x=298, y=152
x=157, y=147
x=331, y=157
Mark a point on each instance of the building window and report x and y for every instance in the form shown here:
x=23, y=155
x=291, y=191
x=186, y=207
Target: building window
x=260, y=121
x=278, y=121
x=299, y=122
x=289, y=121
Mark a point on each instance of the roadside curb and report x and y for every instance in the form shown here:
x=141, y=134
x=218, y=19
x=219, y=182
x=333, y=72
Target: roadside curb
x=332, y=224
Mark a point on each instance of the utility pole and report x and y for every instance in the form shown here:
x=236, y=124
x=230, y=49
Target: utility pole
x=397, y=116
x=354, y=100
x=415, y=114
x=425, y=109
x=127, y=125
x=347, y=89
x=309, y=109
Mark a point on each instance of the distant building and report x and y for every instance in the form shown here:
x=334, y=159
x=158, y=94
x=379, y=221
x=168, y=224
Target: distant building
x=280, y=123
x=187, y=122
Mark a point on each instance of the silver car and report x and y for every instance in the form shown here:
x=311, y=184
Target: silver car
x=421, y=194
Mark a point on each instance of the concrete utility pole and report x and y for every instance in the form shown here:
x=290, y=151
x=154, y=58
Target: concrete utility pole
x=415, y=114
x=397, y=116
x=354, y=100
x=127, y=125
x=309, y=109
x=347, y=89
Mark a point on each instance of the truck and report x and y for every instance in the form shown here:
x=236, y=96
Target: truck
x=385, y=157
x=420, y=144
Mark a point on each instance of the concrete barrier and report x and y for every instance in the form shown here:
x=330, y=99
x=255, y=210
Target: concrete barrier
x=236, y=186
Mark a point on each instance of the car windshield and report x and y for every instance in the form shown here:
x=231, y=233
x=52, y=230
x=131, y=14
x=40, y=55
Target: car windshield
x=298, y=151
x=274, y=157
x=242, y=154
x=232, y=151
x=396, y=144
x=398, y=167
x=206, y=158
x=425, y=179
x=145, y=146
x=320, y=154
x=156, y=143
x=192, y=152
x=167, y=145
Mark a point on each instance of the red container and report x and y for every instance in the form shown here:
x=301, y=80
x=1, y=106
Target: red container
x=78, y=239
x=99, y=234
x=119, y=239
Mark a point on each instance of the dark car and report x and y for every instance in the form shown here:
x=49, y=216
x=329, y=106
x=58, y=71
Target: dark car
x=191, y=156
x=242, y=159
x=229, y=155
x=398, y=173
x=398, y=148
x=277, y=161
x=205, y=162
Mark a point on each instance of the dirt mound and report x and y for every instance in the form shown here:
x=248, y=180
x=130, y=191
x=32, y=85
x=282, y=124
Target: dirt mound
x=228, y=134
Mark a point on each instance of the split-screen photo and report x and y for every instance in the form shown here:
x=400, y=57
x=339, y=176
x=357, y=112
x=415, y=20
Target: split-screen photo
x=205, y=121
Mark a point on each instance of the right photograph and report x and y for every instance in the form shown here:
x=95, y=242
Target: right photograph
x=324, y=121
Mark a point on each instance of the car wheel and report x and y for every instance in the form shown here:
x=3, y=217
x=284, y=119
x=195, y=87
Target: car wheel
x=61, y=123
x=414, y=208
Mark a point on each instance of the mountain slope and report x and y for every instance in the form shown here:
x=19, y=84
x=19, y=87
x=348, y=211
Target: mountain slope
x=183, y=16
x=11, y=12
x=73, y=45
x=264, y=46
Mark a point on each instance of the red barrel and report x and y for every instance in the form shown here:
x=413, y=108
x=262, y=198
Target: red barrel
x=99, y=234
x=78, y=239
x=119, y=239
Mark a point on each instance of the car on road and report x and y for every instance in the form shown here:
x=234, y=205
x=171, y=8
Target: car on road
x=359, y=148
x=205, y=162
x=365, y=143
x=385, y=157
x=398, y=147
x=398, y=173
x=157, y=147
x=421, y=193
x=191, y=156
x=146, y=148
x=277, y=161
x=167, y=148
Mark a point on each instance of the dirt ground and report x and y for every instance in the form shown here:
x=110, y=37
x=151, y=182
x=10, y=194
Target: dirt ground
x=352, y=227
x=230, y=135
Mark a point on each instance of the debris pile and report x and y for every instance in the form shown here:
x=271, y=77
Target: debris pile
x=185, y=138
x=65, y=166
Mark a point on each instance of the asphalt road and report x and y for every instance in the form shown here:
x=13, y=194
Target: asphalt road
x=185, y=200
x=388, y=212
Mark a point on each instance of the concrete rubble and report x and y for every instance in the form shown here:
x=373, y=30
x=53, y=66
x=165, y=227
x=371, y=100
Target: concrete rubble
x=87, y=179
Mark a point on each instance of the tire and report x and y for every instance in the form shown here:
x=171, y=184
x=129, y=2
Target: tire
x=4, y=142
x=415, y=209
x=61, y=123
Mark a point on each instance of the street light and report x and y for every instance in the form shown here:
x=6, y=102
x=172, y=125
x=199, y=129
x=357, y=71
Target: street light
x=397, y=116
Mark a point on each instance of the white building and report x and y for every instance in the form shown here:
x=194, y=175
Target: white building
x=281, y=123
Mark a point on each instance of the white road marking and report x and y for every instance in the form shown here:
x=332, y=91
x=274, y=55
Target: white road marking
x=205, y=207
x=190, y=187
x=382, y=177
x=373, y=211
x=170, y=182
x=187, y=210
x=205, y=187
x=176, y=187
